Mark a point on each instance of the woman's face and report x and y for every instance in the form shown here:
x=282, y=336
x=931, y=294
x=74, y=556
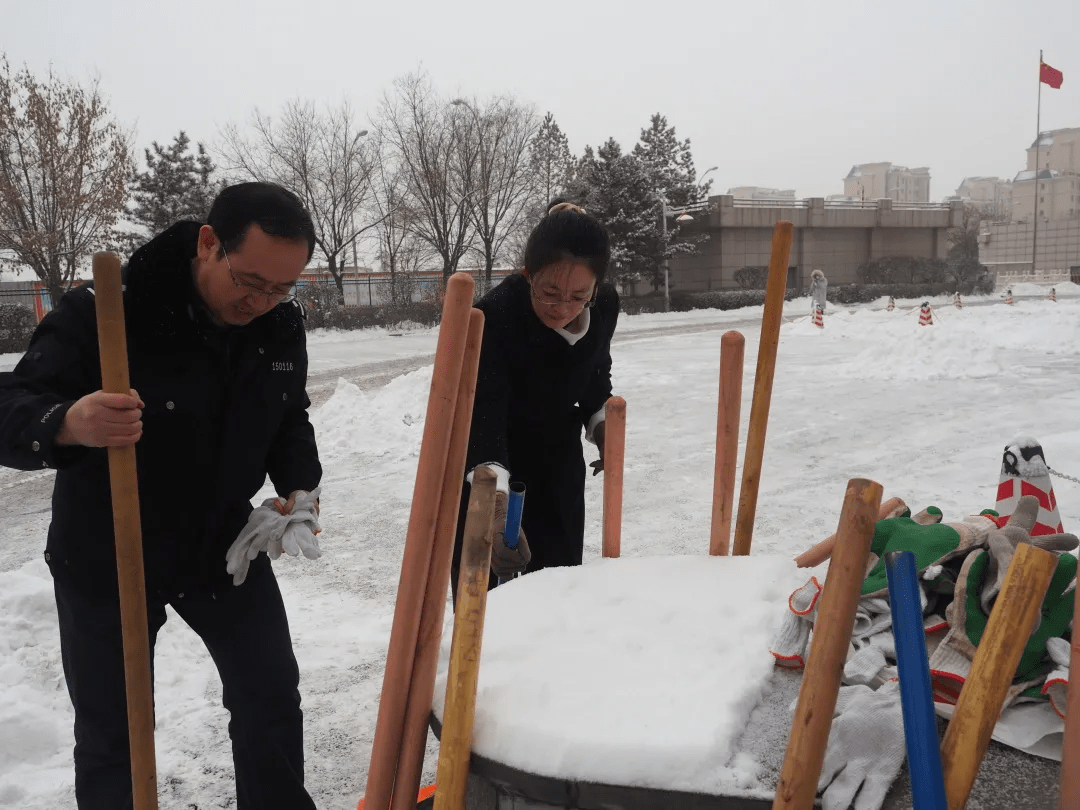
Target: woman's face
x=559, y=292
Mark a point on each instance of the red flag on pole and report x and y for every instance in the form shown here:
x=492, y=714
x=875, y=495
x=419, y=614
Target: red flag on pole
x=1050, y=76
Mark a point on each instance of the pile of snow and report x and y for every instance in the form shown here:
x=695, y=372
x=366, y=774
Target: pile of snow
x=638, y=672
x=958, y=346
x=386, y=423
x=35, y=700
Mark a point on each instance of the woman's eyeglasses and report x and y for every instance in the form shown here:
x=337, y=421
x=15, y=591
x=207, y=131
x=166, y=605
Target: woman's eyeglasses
x=553, y=301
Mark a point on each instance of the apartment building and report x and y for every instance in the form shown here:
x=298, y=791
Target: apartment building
x=876, y=181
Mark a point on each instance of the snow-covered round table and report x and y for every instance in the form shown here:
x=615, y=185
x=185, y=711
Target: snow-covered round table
x=647, y=683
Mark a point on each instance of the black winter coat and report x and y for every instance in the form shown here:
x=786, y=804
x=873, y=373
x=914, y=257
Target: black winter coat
x=533, y=388
x=224, y=408
x=534, y=394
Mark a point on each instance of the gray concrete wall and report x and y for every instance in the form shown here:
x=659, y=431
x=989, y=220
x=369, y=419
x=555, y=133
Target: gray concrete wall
x=1006, y=249
x=833, y=238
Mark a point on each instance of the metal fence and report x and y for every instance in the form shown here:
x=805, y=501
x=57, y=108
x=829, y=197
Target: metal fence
x=29, y=294
x=359, y=290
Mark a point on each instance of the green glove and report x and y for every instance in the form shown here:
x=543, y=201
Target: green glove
x=950, y=663
x=932, y=543
x=1057, y=611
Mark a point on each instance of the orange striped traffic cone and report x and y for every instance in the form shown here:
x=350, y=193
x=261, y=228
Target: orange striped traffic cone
x=892, y=304
x=1008, y=296
x=925, y=317
x=1053, y=295
x=957, y=302
x=1024, y=472
x=818, y=319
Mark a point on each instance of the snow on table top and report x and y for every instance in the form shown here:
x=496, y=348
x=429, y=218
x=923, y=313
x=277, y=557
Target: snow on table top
x=634, y=671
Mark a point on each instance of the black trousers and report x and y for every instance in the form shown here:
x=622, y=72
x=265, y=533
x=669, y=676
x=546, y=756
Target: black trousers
x=247, y=634
x=553, y=516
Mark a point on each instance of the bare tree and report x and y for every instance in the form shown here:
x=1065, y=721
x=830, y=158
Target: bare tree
x=64, y=164
x=398, y=247
x=323, y=158
x=431, y=145
x=504, y=180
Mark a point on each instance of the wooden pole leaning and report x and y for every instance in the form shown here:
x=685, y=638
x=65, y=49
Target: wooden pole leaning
x=1069, y=797
x=455, y=744
x=422, y=683
x=127, y=527
x=419, y=540
x=1012, y=620
x=763, y=380
x=815, y=556
x=805, y=755
x=614, y=461
x=732, y=348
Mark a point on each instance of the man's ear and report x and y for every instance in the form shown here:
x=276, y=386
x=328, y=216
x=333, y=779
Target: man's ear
x=208, y=243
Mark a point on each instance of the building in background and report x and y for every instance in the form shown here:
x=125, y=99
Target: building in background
x=833, y=236
x=877, y=181
x=1059, y=196
x=1047, y=250
x=991, y=195
x=760, y=193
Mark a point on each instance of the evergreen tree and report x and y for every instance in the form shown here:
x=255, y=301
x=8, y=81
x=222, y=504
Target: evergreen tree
x=616, y=188
x=550, y=160
x=176, y=185
x=669, y=163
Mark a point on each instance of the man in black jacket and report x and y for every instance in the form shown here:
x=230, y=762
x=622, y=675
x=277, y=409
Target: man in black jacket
x=218, y=366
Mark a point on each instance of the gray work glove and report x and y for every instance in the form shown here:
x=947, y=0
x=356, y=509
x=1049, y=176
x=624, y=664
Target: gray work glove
x=507, y=562
x=300, y=535
x=865, y=749
x=269, y=529
x=598, y=437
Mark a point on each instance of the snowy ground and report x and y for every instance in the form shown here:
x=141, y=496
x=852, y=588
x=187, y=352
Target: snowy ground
x=925, y=411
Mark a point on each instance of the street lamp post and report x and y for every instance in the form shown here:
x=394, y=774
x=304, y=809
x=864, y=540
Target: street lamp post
x=663, y=221
x=665, y=212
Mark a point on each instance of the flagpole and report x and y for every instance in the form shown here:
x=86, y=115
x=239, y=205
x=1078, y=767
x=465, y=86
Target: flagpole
x=1038, y=148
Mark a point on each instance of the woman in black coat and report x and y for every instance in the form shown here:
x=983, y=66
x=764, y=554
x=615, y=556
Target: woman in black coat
x=545, y=375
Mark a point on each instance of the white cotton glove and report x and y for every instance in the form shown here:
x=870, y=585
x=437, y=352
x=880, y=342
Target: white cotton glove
x=789, y=644
x=1057, y=682
x=264, y=527
x=872, y=616
x=868, y=667
x=269, y=530
x=865, y=749
x=302, y=527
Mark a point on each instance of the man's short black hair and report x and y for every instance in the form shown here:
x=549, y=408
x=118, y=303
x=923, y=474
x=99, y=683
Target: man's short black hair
x=275, y=209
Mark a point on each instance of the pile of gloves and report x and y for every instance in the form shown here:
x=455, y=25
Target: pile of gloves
x=274, y=528
x=962, y=567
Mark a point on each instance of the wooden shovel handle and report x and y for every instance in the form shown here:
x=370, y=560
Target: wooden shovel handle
x=127, y=529
x=823, y=550
x=614, y=460
x=763, y=382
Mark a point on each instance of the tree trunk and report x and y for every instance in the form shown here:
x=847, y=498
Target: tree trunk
x=489, y=261
x=331, y=265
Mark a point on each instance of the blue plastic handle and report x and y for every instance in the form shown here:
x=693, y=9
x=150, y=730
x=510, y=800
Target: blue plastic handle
x=513, y=513
x=916, y=697
x=514, y=505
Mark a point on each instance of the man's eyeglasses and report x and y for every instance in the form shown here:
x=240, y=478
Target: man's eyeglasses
x=242, y=282
x=552, y=301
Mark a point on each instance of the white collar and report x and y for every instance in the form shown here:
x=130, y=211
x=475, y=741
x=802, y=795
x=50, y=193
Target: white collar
x=574, y=337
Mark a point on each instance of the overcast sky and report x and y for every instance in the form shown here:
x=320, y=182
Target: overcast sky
x=782, y=94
